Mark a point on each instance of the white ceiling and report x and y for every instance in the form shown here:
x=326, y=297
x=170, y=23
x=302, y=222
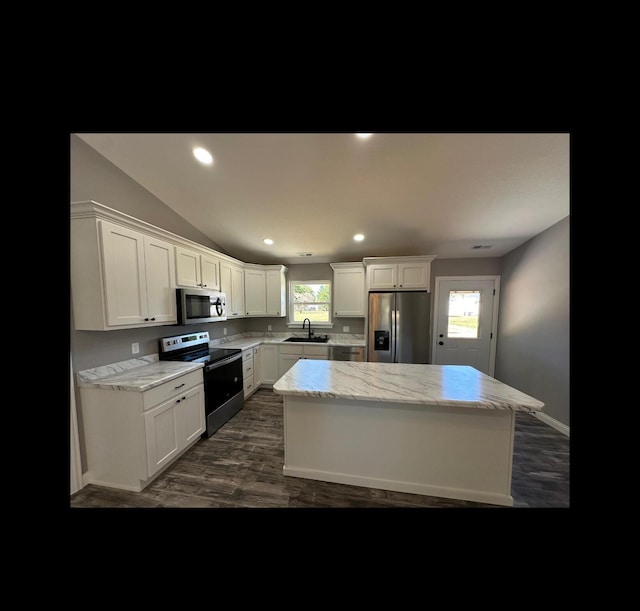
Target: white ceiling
x=409, y=193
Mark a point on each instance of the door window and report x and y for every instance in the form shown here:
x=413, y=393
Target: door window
x=463, y=314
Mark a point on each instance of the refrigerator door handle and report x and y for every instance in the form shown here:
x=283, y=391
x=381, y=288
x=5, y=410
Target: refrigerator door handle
x=394, y=332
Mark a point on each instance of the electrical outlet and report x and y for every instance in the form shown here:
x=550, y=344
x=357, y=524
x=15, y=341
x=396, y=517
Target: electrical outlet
x=345, y=329
x=224, y=330
x=135, y=348
x=268, y=327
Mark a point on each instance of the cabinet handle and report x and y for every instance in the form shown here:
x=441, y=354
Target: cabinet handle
x=180, y=386
x=183, y=398
x=400, y=286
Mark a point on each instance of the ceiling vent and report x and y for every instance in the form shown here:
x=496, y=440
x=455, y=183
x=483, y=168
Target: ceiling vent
x=305, y=254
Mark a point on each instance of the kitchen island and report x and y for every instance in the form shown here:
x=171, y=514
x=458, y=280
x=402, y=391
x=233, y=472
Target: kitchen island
x=437, y=430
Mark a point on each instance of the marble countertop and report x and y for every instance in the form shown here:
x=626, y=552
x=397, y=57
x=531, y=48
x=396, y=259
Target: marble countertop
x=139, y=378
x=447, y=385
x=250, y=342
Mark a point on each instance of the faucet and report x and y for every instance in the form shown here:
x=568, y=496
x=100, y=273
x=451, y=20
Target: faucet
x=304, y=321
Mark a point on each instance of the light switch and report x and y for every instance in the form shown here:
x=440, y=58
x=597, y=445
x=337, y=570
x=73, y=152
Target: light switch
x=135, y=348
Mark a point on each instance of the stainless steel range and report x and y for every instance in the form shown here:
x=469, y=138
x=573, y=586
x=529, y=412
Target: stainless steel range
x=223, y=384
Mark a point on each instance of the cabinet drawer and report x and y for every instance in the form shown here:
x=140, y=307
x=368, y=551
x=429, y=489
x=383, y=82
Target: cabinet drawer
x=317, y=350
x=248, y=385
x=247, y=368
x=247, y=354
x=290, y=349
x=171, y=389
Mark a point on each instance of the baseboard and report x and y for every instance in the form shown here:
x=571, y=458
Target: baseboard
x=552, y=422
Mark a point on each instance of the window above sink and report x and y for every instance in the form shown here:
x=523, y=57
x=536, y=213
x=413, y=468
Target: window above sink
x=310, y=299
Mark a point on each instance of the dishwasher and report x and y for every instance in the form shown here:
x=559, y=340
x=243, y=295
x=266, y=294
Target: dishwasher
x=346, y=353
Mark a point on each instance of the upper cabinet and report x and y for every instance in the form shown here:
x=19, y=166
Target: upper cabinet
x=348, y=289
x=194, y=269
x=398, y=273
x=276, y=290
x=120, y=277
x=265, y=290
x=255, y=292
x=232, y=285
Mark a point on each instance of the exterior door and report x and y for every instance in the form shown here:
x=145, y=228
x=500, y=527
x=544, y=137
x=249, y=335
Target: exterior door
x=466, y=321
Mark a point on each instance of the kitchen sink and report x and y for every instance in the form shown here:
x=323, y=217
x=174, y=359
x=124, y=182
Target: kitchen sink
x=316, y=340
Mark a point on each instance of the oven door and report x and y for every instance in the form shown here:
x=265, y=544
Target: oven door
x=223, y=391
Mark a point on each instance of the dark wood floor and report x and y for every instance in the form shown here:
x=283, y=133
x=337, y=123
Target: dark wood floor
x=241, y=467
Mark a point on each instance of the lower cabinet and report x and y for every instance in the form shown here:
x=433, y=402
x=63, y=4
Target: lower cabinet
x=289, y=354
x=269, y=364
x=248, y=368
x=131, y=436
x=173, y=426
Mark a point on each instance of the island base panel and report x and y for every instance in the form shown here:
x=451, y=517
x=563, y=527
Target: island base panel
x=459, y=453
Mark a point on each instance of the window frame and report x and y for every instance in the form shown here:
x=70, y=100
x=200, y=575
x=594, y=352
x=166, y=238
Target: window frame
x=290, y=311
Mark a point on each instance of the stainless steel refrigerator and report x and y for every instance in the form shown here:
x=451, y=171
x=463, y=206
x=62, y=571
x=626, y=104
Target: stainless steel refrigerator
x=398, y=327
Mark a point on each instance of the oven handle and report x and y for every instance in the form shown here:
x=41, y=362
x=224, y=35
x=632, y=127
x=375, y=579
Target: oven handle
x=229, y=359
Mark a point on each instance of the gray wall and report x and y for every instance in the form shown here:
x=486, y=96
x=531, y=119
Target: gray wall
x=92, y=176
x=533, y=351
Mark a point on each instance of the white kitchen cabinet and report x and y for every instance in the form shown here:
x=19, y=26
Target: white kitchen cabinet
x=290, y=354
x=248, y=372
x=348, y=289
x=120, y=277
x=398, y=273
x=276, y=291
x=194, y=269
x=173, y=426
x=232, y=284
x=265, y=290
x=269, y=363
x=257, y=366
x=131, y=436
x=255, y=292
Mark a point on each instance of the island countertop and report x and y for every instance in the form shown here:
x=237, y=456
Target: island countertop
x=444, y=385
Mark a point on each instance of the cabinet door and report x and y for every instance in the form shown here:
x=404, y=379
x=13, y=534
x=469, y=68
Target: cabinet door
x=190, y=415
x=232, y=285
x=124, y=275
x=188, y=268
x=413, y=275
x=255, y=292
x=257, y=366
x=348, y=296
x=276, y=293
x=162, y=431
x=286, y=362
x=160, y=274
x=382, y=276
x=269, y=363
x=210, y=273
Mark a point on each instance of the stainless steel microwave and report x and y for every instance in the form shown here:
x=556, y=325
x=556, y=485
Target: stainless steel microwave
x=198, y=306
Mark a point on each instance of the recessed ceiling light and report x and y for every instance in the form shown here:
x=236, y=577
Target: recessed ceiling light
x=358, y=237
x=364, y=136
x=268, y=241
x=203, y=155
